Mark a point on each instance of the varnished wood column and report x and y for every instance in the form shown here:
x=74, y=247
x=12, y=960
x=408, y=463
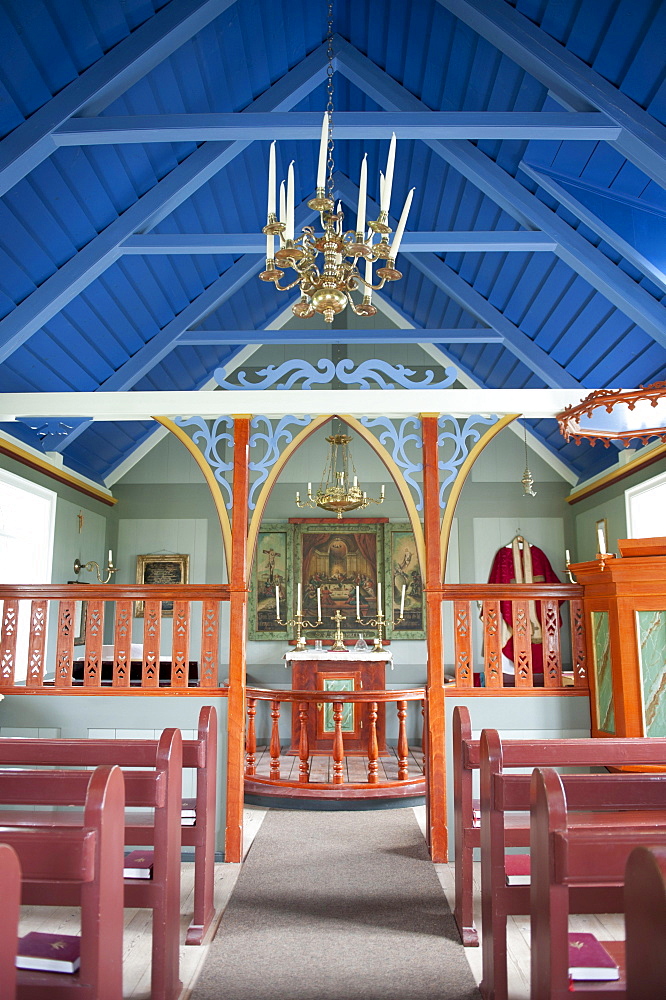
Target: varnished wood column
x=435, y=757
x=233, y=848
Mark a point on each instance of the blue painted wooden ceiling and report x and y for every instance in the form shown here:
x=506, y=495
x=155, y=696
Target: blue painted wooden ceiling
x=84, y=306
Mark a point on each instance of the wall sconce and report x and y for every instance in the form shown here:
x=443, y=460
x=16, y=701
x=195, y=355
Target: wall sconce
x=89, y=566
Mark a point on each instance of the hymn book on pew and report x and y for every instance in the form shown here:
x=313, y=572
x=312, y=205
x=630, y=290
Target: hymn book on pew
x=188, y=813
x=588, y=959
x=49, y=952
x=138, y=864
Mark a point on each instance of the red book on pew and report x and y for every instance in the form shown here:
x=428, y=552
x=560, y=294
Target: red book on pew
x=517, y=867
x=138, y=864
x=588, y=959
x=49, y=952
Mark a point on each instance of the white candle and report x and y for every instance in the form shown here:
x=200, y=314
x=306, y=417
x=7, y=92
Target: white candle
x=283, y=203
x=309, y=489
x=567, y=556
x=362, y=189
x=271, y=179
x=355, y=481
x=110, y=558
x=323, y=150
x=388, y=180
x=379, y=596
x=368, y=278
x=381, y=189
x=270, y=246
x=298, y=599
x=319, y=603
x=397, y=239
x=358, y=603
x=277, y=601
x=601, y=539
x=289, y=234
x=402, y=601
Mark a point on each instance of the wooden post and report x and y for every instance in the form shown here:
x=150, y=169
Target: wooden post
x=373, y=748
x=436, y=715
x=233, y=851
x=303, y=745
x=403, y=746
x=338, y=745
x=251, y=738
x=275, y=740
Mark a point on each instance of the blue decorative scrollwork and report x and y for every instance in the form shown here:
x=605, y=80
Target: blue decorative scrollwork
x=365, y=375
x=273, y=439
x=209, y=440
x=396, y=437
x=460, y=439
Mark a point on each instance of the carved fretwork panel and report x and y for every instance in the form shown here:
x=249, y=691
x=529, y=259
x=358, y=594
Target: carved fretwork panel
x=522, y=643
x=122, y=644
x=578, y=644
x=463, y=644
x=552, y=657
x=8, y=643
x=181, y=642
x=151, y=643
x=210, y=624
x=65, y=643
x=492, y=650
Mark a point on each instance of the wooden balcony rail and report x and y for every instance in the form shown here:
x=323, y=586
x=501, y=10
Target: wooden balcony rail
x=491, y=603
x=53, y=663
x=306, y=702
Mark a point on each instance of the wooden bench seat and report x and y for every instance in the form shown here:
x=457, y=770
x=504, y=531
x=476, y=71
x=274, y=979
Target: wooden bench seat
x=199, y=754
x=80, y=864
x=578, y=864
x=10, y=894
x=158, y=789
x=504, y=791
x=645, y=922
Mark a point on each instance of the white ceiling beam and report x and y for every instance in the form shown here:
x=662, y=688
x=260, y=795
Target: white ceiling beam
x=123, y=406
x=306, y=125
x=642, y=138
x=361, y=335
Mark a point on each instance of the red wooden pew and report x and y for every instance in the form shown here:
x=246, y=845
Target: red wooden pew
x=78, y=863
x=10, y=894
x=505, y=793
x=645, y=923
x=158, y=788
x=578, y=865
x=199, y=754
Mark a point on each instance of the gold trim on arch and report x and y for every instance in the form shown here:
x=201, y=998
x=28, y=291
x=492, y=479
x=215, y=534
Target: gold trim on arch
x=459, y=482
x=379, y=450
x=213, y=485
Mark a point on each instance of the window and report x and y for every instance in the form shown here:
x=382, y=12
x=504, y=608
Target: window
x=27, y=519
x=646, y=508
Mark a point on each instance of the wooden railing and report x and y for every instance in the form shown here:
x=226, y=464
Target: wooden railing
x=306, y=702
x=53, y=663
x=486, y=602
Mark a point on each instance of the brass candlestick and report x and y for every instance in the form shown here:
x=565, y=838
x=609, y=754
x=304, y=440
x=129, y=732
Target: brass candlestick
x=299, y=623
x=378, y=623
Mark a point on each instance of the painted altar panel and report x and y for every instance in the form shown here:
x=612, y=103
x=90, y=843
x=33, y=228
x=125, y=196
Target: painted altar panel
x=603, y=671
x=272, y=568
x=651, y=630
x=402, y=569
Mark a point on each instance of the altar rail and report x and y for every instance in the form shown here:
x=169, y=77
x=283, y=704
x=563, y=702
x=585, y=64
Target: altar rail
x=486, y=602
x=307, y=701
x=52, y=663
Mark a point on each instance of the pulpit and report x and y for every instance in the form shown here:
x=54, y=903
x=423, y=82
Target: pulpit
x=625, y=607
x=356, y=670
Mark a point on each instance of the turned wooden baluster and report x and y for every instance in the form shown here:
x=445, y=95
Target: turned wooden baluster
x=338, y=745
x=403, y=746
x=275, y=740
x=424, y=736
x=251, y=738
x=303, y=745
x=373, y=746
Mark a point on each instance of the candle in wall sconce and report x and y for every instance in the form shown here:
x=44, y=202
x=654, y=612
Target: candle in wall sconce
x=110, y=558
x=277, y=601
x=567, y=556
x=601, y=538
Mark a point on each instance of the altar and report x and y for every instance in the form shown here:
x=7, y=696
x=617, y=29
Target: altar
x=356, y=670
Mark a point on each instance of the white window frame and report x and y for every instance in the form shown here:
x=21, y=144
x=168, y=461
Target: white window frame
x=635, y=491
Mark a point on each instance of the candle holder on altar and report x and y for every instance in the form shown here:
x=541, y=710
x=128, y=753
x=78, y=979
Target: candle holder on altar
x=300, y=624
x=378, y=623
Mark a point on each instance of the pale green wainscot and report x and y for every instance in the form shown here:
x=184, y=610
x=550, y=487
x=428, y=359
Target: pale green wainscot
x=651, y=627
x=603, y=669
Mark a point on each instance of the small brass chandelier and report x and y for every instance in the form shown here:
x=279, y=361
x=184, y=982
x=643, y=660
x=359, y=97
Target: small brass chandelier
x=327, y=289
x=338, y=491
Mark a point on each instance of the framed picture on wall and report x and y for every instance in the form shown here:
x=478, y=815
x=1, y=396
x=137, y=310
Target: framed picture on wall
x=401, y=569
x=272, y=569
x=165, y=569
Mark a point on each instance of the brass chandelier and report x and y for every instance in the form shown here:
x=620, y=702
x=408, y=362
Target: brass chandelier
x=338, y=491
x=327, y=289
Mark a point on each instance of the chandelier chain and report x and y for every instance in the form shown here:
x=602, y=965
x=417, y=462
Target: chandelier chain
x=329, y=102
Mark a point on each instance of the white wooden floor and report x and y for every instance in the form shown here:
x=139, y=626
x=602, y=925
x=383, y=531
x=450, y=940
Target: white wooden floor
x=136, y=958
